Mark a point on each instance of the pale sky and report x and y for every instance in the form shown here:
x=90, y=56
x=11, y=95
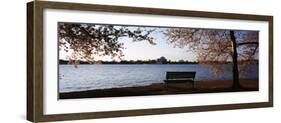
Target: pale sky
x=143, y=50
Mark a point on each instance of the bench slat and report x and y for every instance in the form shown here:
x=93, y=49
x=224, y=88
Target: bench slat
x=180, y=75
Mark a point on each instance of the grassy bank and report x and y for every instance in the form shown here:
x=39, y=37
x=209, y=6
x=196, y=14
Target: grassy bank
x=164, y=89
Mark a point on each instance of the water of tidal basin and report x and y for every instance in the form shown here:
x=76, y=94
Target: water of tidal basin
x=90, y=77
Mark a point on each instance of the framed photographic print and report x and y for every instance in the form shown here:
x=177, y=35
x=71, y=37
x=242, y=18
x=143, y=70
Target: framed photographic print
x=90, y=61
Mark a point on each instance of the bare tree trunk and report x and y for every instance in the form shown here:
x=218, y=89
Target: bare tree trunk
x=235, y=71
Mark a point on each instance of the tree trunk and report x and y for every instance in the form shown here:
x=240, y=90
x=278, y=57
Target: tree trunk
x=235, y=71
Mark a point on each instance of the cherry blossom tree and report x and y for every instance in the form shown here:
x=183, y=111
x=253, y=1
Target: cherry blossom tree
x=213, y=46
x=86, y=41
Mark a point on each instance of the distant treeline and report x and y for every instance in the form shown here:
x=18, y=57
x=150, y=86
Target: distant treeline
x=131, y=62
x=253, y=61
x=155, y=62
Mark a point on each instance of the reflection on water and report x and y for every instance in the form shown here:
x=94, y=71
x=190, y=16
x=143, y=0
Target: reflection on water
x=89, y=77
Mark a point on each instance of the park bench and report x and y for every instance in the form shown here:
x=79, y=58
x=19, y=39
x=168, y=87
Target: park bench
x=174, y=77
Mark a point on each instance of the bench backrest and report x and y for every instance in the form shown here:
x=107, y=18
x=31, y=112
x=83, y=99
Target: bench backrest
x=179, y=75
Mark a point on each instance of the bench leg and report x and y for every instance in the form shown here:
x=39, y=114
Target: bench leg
x=193, y=85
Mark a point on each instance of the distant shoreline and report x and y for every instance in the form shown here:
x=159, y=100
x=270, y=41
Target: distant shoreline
x=164, y=89
x=62, y=62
